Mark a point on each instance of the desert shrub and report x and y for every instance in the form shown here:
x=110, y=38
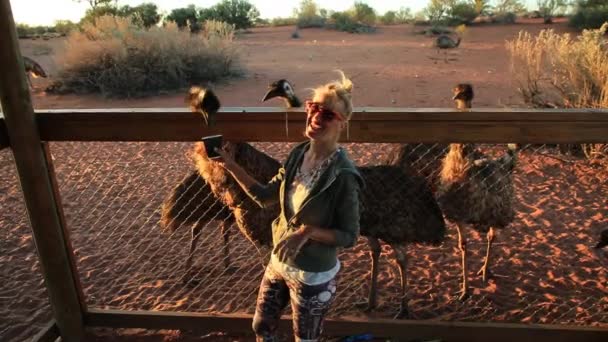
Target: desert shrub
x=344, y=21
x=590, y=14
x=114, y=57
x=309, y=14
x=506, y=6
x=26, y=31
x=505, y=18
x=240, y=13
x=283, y=21
x=63, y=27
x=183, y=16
x=553, y=70
x=548, y=8
x=363, y=13
x=100, y=11
x=389, y=18
x=145, y=15
x=461, y=13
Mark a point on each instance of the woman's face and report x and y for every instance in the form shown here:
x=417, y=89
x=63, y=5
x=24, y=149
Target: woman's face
x=324, y=121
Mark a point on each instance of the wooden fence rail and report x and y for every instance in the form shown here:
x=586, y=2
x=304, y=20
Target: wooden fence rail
x=406, y=330
x=367, y=125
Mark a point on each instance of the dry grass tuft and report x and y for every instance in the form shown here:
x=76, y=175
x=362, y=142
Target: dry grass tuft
x=558, y=71
x=116, y=58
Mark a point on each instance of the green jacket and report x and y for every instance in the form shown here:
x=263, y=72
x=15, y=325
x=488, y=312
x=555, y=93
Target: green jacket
x=332, y=203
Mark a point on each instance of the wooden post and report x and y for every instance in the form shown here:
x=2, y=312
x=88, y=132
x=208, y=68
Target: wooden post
x=37, y=185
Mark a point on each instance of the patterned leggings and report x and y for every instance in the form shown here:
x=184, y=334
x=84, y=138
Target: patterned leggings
x=309, y=304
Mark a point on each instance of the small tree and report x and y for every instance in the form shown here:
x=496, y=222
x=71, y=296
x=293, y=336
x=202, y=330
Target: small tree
x=64, y=27
x=404, y=15
x=363, y=13
x=547, y=8
x=183, y=16
x=240, y=13
x=437, y=9
x=590, y=14
x=96, y=3
x=512, y=6
x=95, y=12
x=144, y=15
x=462, y=13
x=310, y=15
x=481, y=7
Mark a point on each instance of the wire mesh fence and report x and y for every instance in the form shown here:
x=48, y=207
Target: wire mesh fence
x=543, y=265
x=24, y=305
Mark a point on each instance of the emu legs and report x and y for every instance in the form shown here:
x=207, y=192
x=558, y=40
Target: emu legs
x=462, y=245
x=401, y=258
x=374, y=253
x=484, y=272
x=226, y=248
x=196, y=235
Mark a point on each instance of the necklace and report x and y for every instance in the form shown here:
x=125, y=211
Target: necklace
x=309, y=177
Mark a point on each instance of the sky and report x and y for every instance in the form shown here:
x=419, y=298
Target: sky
x=46, y=12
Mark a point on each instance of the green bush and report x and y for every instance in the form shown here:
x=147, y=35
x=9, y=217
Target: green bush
x=63, y=27
x=461, y=13
x=363, y=13
x=93, y=13
x=26, y=31
x=505, y=18
x=590, y=14
x=403, y=16
x=344, y=21
x=183, y=16
x=283, y=21
x=117, y=58
x=240, y=13
x=389, y=18
x=145, y=15
x=310, y=15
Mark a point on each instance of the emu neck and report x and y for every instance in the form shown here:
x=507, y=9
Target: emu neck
x=463, y=104
x=293, y=102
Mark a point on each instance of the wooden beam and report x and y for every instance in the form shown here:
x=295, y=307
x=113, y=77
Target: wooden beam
x=4, y=143
x=367, y=125
x=406, y=329
x=49, y=333
x=36, y=183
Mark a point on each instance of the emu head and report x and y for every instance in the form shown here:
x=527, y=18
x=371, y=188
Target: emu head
x=283, y=89
x=463, y=95
x=37, y=71
x=204, y=101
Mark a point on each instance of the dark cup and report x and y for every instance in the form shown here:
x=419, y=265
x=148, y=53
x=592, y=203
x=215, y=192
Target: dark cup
x=211, y=143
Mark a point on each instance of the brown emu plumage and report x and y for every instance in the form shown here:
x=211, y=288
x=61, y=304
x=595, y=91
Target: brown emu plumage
x=475, y=189
x=253, y=221
x=422, y=160
x=398, y=209
x=192, y=203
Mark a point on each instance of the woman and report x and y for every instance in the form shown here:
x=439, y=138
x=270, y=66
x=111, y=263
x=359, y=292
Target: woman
x=318, y=191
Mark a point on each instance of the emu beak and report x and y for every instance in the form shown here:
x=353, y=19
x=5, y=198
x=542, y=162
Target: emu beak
x=455, y=96
x=272, y=92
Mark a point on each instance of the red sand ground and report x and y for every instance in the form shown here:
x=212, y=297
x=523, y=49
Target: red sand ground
x=545, y=269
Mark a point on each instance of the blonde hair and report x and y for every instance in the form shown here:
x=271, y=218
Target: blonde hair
x=339, y=91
